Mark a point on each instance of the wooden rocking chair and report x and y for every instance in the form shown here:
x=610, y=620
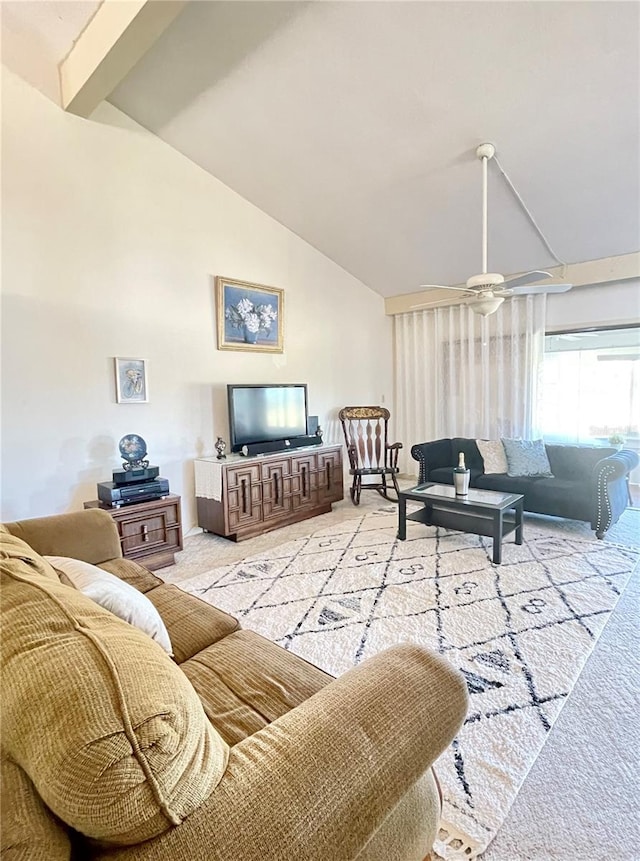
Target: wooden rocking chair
x=365, y=433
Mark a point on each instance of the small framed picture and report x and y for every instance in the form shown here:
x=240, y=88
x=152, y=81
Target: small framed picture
x=131, y=381
x=250, y=316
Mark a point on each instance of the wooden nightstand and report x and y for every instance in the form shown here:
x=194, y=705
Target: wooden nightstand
x=150, y=532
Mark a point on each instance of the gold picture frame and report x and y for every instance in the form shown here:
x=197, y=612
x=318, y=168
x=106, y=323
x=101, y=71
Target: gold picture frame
x=250, y=316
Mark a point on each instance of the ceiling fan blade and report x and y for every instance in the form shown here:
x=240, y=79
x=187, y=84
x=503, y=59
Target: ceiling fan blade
x=441, y=303
x=527, y=278
x=423, y=305
x=540, y=288
x=443, y=287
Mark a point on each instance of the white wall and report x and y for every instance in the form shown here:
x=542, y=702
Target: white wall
x=110, y=244
x=613, y=304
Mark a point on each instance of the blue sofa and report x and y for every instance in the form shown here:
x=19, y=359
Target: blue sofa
x=589, y=483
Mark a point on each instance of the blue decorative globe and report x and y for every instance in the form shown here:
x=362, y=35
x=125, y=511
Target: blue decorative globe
x=132, y=448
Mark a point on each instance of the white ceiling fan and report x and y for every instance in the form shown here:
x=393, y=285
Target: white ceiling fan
x=487, y=291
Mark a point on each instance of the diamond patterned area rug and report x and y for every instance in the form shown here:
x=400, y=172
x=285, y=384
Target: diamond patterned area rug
x=520, y=632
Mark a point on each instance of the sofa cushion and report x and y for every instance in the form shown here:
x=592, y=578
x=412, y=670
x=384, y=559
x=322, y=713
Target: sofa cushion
x=526, y=457
x=507, y=483
x=114, y=595
x=14, y=548
x=472, y=456
x=494, y=460
x=245, y=682
x=444, y=475
x=30, y=832
x=439, y=454
x=575, y=461
x=561, y=497
x=192, y=623
x=132, y=573
x=107, y=727
x=91, y=535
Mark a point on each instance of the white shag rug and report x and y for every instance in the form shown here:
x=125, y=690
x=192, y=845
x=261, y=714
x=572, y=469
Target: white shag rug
x=520, y=632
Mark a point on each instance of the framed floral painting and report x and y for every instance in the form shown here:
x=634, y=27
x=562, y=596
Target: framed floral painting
x=250, y=316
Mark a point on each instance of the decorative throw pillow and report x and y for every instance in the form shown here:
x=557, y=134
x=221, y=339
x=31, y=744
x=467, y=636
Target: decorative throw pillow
x=527, y=457
x=493, y=455
x=114, y=595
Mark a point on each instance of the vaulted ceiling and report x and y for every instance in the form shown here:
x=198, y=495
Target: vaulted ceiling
x=355, y=125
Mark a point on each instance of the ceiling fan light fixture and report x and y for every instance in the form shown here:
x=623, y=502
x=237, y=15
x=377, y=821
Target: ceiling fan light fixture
x=485, y=305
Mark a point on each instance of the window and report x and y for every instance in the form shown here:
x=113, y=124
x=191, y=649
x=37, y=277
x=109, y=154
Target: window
x=591, y=386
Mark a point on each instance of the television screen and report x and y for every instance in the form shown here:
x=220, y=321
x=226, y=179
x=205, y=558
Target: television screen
x=266, y=413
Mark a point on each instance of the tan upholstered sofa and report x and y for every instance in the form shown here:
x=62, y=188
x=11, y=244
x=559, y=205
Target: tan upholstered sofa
x=235, y=750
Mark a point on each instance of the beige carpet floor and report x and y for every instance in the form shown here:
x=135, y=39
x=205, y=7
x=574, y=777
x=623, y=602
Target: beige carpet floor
x=580, y=800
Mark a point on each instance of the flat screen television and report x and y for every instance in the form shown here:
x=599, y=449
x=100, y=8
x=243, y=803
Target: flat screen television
x=266, y=413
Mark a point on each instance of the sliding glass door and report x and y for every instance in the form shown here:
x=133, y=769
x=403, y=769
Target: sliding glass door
x=590, y=389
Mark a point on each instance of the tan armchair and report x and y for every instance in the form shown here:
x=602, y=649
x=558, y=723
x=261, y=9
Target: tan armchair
x=312, y=767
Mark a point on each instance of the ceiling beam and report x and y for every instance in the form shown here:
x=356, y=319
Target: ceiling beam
x=603, y=271
x=117, y=36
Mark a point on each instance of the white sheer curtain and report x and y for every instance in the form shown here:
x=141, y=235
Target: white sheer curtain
x=459, y=374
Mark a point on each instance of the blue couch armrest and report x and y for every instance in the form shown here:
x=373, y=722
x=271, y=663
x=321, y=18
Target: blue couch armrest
x=431, y=455
x=610, y=477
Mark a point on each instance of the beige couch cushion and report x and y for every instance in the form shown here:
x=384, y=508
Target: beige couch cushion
x=91, y=535
x=14, y=548
x=245, y=682
x=132, y=573
x=192, y=623
x=29, y=831
x=107, y=727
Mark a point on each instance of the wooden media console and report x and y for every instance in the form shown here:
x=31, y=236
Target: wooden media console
x=239, y=497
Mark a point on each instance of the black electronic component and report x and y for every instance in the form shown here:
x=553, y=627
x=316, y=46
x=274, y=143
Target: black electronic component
x=109, y=493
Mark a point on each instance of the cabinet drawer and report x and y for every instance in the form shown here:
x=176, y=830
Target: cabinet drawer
x=330, y=476
x=150, y=532
x=276, y=490
x=304, y=488
x=280, y=467
x=304, y=463
x=244, y=504
x=239, y=517
x=333, y=458
x=248, y=473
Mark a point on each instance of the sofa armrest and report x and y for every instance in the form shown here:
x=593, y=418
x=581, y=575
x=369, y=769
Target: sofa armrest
x=320, y=780
x=90, y=535
x=609, y=477
x=615, y=465
x=431, y=455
